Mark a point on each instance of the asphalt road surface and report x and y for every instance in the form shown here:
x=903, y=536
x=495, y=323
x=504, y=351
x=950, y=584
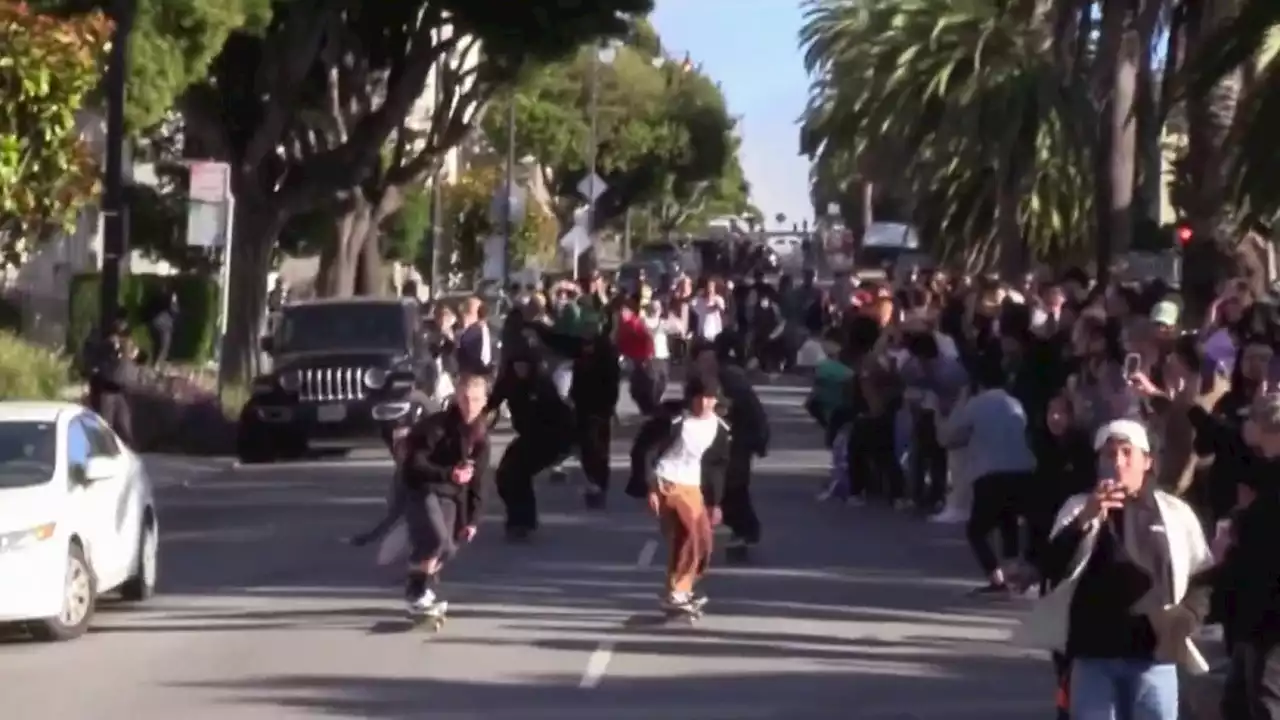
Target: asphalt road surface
x=264, y=613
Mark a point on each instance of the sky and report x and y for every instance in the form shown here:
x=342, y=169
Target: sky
x=750, y=47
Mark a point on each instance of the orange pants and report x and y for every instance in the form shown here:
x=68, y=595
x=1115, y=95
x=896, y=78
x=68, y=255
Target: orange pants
x=687, y=529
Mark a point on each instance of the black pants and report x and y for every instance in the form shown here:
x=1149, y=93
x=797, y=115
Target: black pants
x=525, y=457
x=738, y=510
x=113, y=407
x=929, y=469
x=1252, y=690
x=593, y=436
x=873, y=469
x=995, y=507
x=648, y=384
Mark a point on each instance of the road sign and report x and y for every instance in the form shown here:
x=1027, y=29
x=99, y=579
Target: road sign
x=206, y=224
x=210, y=182
x=592, y=187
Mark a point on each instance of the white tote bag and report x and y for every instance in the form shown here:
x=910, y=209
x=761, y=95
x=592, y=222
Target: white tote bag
x=395, y=544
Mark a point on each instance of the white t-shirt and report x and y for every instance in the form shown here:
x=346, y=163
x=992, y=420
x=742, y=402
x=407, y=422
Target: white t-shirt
x=710, y=317
x=681, y=464
x=658, y=328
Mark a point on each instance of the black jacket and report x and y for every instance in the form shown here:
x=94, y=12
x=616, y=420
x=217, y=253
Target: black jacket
x=596, y=370
x=535, y=405
x=657, y=435
x=435, y=446
x=1247, y=580
x=745, y=413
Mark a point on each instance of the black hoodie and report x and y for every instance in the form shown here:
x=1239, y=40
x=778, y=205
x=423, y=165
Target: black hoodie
x=1247, y=581
x=596, y=372
x=537, y=410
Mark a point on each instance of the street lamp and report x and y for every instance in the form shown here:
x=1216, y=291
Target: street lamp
x=509, y=208
x=605, y=54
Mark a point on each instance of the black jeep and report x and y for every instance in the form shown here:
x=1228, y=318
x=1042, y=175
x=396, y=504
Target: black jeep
x=344, y=373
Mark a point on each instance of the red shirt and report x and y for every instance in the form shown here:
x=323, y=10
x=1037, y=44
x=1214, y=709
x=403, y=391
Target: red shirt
x=634, y=340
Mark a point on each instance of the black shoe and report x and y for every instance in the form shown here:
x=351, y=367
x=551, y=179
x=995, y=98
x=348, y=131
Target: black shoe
x=594, y=499
x=519, y=533
x=992, y=590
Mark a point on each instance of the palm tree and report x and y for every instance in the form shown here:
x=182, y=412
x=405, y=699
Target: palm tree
x=972, y=99
x=1233, y=106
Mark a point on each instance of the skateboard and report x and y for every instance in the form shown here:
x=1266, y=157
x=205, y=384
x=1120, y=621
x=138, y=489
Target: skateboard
x=690, y=613
x=433, y=617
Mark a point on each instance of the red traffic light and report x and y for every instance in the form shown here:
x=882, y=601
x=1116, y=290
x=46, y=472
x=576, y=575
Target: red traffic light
x=1184, y=234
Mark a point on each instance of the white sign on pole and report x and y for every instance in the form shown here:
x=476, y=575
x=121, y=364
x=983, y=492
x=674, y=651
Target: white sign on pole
x=592, y=187
x=576, y=241
x=206, y=226
x=210, y=182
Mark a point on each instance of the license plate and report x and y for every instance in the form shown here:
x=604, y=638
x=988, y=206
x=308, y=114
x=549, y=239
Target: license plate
x=331, y=413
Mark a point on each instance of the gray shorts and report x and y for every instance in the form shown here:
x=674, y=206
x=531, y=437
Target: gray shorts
x=432, y=522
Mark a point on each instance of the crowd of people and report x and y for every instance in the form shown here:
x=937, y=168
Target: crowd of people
x=1121, y=456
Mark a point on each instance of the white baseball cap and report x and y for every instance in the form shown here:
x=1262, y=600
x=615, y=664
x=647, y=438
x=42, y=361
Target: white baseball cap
x=1130, y=431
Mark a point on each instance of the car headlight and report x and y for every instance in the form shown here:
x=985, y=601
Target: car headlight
x=290, y=380
x=375, y=378
x=19, y=539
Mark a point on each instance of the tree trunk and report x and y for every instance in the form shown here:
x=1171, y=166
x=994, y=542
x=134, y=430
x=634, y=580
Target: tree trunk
x=1209, y=257
x=1119, y=136
x=370, y=279
x=340, y=263
x=256, y=230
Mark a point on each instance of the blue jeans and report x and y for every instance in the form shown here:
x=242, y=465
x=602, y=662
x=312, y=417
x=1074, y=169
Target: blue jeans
x=1116, y=689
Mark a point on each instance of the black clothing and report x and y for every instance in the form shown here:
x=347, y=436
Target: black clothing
x=435, y=446
x=996, y=506
x=536, y=408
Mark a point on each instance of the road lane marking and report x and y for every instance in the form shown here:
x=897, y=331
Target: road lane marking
x=597, y=664
x=647, y=551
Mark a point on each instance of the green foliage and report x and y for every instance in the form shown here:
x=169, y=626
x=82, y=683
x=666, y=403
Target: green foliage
x=664, y=135
x=404, y=237
x=30, y=372
x=953, y=103
x=47, y=70
x=467, y=221
x=197, y=327
x=171, y=45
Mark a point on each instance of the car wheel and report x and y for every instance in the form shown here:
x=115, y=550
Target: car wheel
x=79, y=598
x=142, y=586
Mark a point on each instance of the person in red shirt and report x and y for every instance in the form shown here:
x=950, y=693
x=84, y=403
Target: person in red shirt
x=635, y=343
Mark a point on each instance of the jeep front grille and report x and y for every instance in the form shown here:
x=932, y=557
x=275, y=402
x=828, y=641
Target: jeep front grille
x=332, y=384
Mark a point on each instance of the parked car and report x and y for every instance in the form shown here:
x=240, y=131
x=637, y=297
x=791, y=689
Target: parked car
x=77, y=519
x=344, y=372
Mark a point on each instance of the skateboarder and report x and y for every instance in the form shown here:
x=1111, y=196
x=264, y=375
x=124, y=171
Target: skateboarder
x=678, y=463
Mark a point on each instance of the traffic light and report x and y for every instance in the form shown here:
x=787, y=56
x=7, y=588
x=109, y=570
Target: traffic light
x=1183, y=234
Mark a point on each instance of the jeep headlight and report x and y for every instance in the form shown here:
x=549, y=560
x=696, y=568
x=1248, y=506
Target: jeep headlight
x=375, y=378
x=290, y=380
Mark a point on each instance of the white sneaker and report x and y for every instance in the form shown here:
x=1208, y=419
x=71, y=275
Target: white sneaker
x=950, y=516
x=424, y=603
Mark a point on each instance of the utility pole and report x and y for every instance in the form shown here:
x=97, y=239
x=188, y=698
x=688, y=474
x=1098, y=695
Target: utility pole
x=508, y=223
x=115, y=243
x=594, y=111
x=437, y=194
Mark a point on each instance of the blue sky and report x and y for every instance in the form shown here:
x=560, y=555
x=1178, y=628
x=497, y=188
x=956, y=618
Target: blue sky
x=750, y=47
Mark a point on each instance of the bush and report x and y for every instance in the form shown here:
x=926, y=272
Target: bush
x=197, y=327
x=30, y=372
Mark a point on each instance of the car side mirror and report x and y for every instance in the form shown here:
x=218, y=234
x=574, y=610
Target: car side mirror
x=97, y=469
x=267, y=344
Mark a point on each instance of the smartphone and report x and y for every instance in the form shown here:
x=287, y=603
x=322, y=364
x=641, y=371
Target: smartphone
x=1132, y=364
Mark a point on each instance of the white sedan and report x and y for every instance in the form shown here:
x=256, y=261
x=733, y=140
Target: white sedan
x=77, y=518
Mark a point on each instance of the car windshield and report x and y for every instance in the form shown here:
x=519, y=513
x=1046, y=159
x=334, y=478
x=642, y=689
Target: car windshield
x=28, y=453
x=335, y=326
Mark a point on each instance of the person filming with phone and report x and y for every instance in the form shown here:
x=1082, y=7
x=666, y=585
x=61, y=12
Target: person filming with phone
x=1121, y=558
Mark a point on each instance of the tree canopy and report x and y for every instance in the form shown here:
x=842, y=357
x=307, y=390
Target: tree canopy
x=664, y=137
x=47, y=170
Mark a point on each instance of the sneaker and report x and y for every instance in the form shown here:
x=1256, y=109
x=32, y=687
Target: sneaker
x=423, y=603
x=950, y=516
x=558, y=477
x=992, y=590
x=594, y=499
x=903, y=505
x=675, y=600
x=856, y=501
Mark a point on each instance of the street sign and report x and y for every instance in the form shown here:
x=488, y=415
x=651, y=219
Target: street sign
x=592, y=187
x=206, y=225
x=210, y=182
x=576, y=241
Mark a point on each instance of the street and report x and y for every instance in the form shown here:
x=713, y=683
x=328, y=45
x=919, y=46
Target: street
x=264, y=613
